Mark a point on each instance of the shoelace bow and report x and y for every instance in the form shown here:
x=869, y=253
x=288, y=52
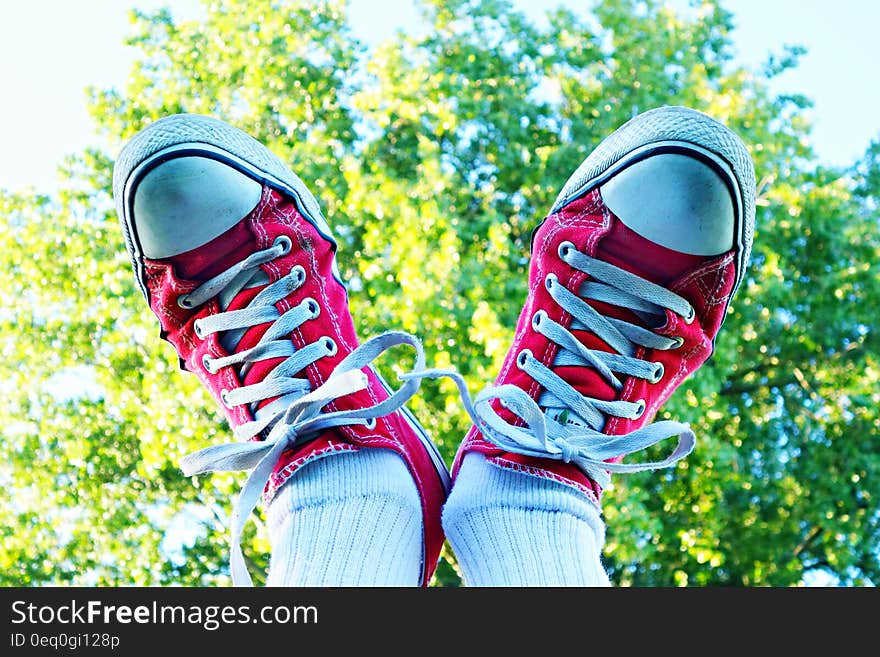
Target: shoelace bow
x=295, y=416
x=580, y=440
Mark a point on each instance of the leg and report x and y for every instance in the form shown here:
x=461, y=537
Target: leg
x=630, y=280
x=237, y=262
x=350, y=520
x=512, y=529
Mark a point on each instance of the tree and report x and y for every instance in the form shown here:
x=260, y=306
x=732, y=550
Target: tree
x=434, y=157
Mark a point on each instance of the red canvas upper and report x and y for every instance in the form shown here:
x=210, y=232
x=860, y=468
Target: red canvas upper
x=276, y=215
x=706, y=282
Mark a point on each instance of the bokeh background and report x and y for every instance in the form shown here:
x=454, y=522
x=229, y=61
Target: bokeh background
x=436, y=135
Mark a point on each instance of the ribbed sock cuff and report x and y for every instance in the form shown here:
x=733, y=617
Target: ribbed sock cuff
x=350, y=519
x=512, y=529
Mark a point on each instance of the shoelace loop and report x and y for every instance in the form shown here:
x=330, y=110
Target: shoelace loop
x=295, y=416
x=301, y=421
x=580, y=440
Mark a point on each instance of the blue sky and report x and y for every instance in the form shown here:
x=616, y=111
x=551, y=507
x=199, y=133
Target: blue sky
x=50, y=50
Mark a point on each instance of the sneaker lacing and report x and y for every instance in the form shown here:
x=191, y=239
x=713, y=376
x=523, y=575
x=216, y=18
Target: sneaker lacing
x=295, y=415
x=566, y=425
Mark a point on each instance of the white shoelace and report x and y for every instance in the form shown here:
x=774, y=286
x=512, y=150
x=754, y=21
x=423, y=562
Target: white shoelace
x=570, y=429
x=295, y=417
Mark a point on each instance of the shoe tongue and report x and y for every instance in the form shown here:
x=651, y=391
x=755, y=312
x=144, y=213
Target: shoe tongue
x=208, y=260
x=211, y=258
x=214, y=257
x=626, y=249
x=243, y=339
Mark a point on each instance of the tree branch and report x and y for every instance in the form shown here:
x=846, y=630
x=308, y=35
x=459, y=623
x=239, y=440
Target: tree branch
x=793, y=372
x=739, y=388
x=809, y=539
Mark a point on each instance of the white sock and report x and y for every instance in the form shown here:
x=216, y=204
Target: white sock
x=352, y=519
x=513, y=529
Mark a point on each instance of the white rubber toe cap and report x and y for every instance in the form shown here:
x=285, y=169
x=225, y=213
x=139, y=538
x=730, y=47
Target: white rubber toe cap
x=187, y=201
x=676, y=201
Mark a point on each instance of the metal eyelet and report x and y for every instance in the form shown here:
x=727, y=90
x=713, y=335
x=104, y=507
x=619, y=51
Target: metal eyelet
x=689, y=319
x=537, y=318
x=300, y=274
x=224, y=397
x=550, y=281
x=523, y=356
x=184, y=302
x=208, y=363
x=640, y=411
x=371, y=423
x=658, y=373
x=313, y=306
x=678, y=341
x=330, y=346
x=285, y=242
x=564, y=249
x=197, y=329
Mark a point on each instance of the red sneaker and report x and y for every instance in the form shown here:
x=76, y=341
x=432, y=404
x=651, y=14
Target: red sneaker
x=235, y=259
x=630, y=279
